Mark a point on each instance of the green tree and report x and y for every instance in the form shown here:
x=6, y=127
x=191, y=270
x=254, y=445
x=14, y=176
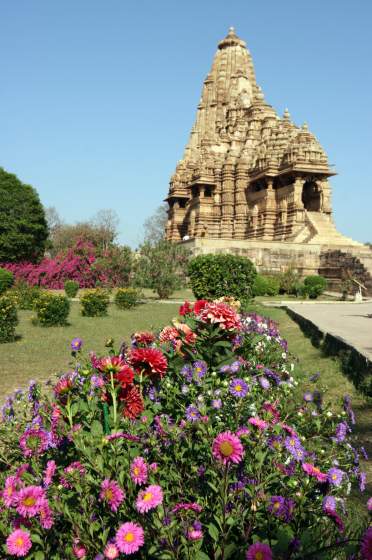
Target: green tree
x=23, y=227
x=161, y=267
x=154, y=226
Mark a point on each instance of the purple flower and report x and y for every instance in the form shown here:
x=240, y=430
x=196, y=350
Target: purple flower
x=235, y=366
x=314, y=377
x=364, y=453
x=335, y=476
x=308, y=396
x=348, y=409
x=362, y=481
x=192, y=413
x=369, y=504
x=187, y=372
x=225, y=369
x=216, y=403
x=76, y=344
x=264, y=382
x=281, y=507
x=238, y=387
x=293, y=445
x=329, y=504
x=273, y=375
x=341, y=431
x=200, y=368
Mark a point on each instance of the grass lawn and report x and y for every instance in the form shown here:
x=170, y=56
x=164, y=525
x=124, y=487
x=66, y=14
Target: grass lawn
x=41, y=352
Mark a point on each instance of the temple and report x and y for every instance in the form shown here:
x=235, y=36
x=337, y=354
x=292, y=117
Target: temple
x=254, y=183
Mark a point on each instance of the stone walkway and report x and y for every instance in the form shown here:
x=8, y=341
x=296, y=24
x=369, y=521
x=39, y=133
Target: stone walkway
x=352, y=322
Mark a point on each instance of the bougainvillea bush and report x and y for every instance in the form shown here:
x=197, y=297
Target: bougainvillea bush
x=188, y=443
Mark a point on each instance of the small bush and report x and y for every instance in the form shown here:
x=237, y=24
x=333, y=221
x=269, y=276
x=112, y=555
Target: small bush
x=71, y=288
x=315, y=286
x=215, y=276
x=8, y=319
x=52, y=310
x=266, y=285
x=125, y=298
x=24, y=295
x=94, y=303
x=289, y=282
x=6, y=280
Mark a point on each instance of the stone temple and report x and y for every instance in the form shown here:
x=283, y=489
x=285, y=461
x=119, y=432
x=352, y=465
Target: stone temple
x=253, y=183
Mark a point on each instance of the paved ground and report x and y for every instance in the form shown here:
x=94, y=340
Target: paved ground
x=350, y=321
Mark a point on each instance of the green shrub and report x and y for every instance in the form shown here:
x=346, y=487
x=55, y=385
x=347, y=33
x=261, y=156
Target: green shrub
x=214, y=276
x=8, y=319
x=265, y=285
x=71, y=288
x=125, y=298
x=52, y=310
x=94, y=303
x=289, y=282
x=6, y=280
x=24, y=295
x=315, y=286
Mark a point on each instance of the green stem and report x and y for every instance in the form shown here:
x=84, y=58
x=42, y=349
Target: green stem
x=69, y=413
x=224, y=500
x=113, y=395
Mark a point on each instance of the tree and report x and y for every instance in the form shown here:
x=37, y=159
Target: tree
x=53, y=219
x=161, y=267
x=106, y=222
x=154, y=226
x=23, y=226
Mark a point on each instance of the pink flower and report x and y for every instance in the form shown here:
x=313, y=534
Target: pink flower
x=18, y=543
x=153, y=467
x=259, y=551
x=30, y=500
x=149, y=498
x=227, y=448
x=366, y=548
x=260, y=424
x=46, y=515
x=193, y=506
x=10, y=492
x=49, y=472
x=221, y=314
x=111, y=551
x=129, y=538
x=369, y=504
x=138, y=470
x=314, y=471
x=111, y=493
x=79, y=549
x=194, y=534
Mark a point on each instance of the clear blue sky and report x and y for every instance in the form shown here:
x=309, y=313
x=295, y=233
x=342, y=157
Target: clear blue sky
x=97, y=97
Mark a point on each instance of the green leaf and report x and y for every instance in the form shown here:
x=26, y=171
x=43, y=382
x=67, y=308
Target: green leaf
x=96, y=428
x=201, y=556
x=39, y=555
x=213, y=531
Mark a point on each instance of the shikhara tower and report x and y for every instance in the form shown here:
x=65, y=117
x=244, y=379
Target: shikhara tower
x=249, y=178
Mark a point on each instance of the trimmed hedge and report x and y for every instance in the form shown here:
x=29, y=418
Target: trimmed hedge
x=125, y=298
x=8, y=319
x=6, y=280
x=71, y=288
x=266, y=285
x=94, y=303
x=52, y=310
x=215, y=276
x=314, y=286
x=25, y=296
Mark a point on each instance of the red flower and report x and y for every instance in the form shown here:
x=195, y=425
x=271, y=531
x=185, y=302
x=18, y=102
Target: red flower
x=125, y=375
x=111, y=365
x=221, y=314
x=168, y=334
x=144, y=338
x=132, y=400
x=149, y=360
x=185, y=308
x=199, y=306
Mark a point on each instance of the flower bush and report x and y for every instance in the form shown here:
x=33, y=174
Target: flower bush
x=71, y=288
x=94, y=303
x=6, y=280
x=51, y=310
x=23, y=295
x=8, y=319
x=189, y=443
x=125, y=298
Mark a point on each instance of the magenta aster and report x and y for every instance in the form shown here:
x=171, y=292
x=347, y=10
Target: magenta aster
x=111, y=493
x=258, y=423
x=366, y=548
x=259, y=551
x=138, y=470
x=149, y=498
x=29, y=501
x=313, y=471
x=10, y=492
x=18, y=543
x=111, y=551
x=33, y=442
x=49, y=472
x=227, y=448
x=129, y=538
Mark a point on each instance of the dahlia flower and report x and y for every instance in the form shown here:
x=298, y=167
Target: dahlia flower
x=132, y=400
x=129, y=538
x=227, y=448
x=222, y=315
x=149, y=498
x=18, y=543
x=150, y=361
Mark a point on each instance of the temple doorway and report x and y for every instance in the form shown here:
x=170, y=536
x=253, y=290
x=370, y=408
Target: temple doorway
x=311, y=197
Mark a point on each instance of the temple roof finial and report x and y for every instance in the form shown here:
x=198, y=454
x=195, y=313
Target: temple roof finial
x=231, y=40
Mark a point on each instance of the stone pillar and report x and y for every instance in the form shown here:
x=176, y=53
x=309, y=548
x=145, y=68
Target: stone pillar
x=270, y=211
x=227, y=201
x=240, y=221
x=216, y=211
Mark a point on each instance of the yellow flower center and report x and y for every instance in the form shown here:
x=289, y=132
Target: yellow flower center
x=226, y=448
x=292, y=442
x=147, y=496
x=30, y=501
x=108, y=494
x=334, y=477
x=276, y=505
x=19, y=541
x=136, y=470
x=238, y=388
x=258, y=556
x=9, y=490
x=129, y=537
